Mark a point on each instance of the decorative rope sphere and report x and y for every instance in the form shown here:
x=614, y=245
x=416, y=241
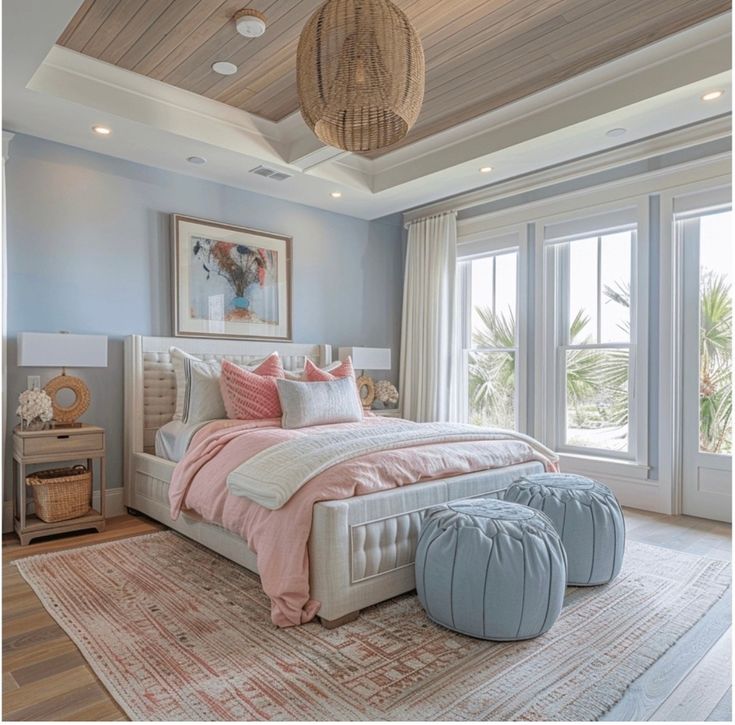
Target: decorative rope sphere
x=82, y=398
x=360, y=74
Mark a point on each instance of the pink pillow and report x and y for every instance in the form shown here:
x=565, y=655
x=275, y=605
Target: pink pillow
x=252, y=395
x=314, y=374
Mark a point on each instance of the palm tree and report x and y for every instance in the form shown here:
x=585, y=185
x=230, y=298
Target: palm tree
x=715, y=364
x=597, y=380
x=492, y=374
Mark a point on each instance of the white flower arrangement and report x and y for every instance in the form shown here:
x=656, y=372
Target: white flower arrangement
x=35, y=405
x=386, y=393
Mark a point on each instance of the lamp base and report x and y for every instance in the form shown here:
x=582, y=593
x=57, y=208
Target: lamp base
x=66, y=415
x=366, y=386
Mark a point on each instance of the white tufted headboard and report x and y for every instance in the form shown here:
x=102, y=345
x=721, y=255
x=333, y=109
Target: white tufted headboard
x=150, y=385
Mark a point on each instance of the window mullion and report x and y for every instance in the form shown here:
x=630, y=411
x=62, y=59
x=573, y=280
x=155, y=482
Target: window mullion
x=599, y=289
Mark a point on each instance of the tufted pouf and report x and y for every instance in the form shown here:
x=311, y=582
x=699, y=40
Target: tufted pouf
x=490, y=569
x=588, y=518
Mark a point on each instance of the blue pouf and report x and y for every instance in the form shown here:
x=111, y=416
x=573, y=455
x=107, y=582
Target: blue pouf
x=490, y=569
x=588, y=518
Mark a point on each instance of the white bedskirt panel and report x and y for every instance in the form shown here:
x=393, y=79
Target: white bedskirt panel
x=362, y=549
x=150, y=496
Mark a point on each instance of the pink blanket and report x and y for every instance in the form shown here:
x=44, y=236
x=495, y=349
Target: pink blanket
x=279, y=537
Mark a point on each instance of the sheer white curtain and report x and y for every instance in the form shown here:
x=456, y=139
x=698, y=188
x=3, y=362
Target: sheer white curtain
x=429, y=335
x=7, y=137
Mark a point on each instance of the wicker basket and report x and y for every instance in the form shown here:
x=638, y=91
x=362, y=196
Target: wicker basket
x=61, y=493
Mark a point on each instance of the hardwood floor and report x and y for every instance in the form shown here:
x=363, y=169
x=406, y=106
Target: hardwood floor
x=45, y=677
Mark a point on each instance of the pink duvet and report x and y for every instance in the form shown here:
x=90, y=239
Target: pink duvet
x=280, y=537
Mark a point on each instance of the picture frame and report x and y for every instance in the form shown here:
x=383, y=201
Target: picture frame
x=229, y=281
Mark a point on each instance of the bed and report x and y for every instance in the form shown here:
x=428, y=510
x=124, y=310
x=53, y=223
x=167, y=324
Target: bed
x=361, y=549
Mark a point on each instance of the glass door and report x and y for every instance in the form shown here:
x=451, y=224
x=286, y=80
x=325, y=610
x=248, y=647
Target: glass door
x=706, y=251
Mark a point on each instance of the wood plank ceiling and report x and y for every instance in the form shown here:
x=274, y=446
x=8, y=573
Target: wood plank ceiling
x=480, y=54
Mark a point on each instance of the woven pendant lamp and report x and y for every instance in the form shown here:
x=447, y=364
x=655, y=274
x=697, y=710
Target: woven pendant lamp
x=360, y=74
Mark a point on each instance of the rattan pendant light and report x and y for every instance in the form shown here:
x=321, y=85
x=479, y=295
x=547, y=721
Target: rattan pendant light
x=360, y=74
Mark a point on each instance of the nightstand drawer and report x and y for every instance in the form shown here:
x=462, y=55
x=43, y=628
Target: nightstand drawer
x=61, y=442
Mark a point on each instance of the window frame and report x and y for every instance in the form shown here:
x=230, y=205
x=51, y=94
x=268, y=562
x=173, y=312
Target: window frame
x=479, y=245
x=551, y=338
x=671, y=405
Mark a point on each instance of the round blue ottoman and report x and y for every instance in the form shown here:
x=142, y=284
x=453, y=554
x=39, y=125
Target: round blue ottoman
x=588, y=518
x=490, y=569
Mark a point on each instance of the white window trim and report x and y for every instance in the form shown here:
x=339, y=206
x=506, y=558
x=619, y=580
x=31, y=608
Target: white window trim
x=548, y=385
x=670, y=409
x=483, y=243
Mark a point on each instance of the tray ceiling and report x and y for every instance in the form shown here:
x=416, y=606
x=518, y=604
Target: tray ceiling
x=480, y=54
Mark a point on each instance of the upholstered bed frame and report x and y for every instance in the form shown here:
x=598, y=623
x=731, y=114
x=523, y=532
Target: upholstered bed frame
x=361, y=549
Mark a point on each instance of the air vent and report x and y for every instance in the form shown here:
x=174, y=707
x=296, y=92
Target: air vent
x=270, y=173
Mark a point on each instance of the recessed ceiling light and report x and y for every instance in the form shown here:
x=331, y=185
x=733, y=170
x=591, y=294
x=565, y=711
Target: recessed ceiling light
x=336, y=194
x=712, y=95
x=224, y=68
x=250, y=23
x=486, y=169
x=198, y=160
x=101, y=130
x=616, y=132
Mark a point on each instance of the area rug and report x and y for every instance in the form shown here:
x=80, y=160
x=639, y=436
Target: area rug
x=176, y=632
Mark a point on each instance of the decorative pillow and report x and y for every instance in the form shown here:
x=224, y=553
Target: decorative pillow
x=203, y=399
x=179, y=360
x=314, y=374
x=252, y=395
x=198, y=396
x=318, y=403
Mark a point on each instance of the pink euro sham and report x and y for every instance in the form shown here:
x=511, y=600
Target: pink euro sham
x=314, y=374
x=252, y=395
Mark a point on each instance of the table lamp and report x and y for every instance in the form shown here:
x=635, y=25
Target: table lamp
x=62, y=349
x=367, y=358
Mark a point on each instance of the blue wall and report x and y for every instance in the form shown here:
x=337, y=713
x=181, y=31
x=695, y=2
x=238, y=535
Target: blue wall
x=88, y=251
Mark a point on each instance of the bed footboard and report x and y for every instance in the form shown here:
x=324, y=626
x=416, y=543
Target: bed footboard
x=362, y=549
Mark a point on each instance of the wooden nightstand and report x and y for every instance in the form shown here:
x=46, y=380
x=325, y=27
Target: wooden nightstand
x=54, y=446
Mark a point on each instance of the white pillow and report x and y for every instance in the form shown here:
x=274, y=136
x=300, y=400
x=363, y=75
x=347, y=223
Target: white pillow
x=198, y=394
x=331, y=401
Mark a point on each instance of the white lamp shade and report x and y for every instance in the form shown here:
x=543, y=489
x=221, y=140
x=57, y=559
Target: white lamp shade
x=60, y=350
x=367, y=358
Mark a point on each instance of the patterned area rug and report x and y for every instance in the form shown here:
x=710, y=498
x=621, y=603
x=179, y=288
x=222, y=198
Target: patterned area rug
x=176, y=632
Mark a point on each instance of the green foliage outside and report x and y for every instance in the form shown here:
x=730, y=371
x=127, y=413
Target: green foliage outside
x=597, y=380
x=715, y=364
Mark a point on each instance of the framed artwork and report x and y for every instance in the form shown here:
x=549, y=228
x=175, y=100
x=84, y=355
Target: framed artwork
x=230, y=282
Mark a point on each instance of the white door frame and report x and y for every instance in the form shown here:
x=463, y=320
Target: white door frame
x=671, y=321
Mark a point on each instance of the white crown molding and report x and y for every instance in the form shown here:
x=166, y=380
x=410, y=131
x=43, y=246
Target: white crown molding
x=90, y=68
x=567, y=104
x=710, y=130
x=698, y=52
x=161, y=125
x=120, y=92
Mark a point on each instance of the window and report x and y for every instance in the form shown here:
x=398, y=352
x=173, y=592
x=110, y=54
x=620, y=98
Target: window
x=710, y=234
x=488, y=284
x=595, y=348
x=591, y=349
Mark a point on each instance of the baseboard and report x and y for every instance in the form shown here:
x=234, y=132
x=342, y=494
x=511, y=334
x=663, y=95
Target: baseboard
x=114, y=506
x=638, y=494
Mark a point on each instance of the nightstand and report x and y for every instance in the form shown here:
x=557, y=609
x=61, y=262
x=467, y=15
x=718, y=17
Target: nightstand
x=49, y=447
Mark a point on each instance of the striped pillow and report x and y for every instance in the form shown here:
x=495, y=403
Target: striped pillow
x=252, y=395
x=314, y=374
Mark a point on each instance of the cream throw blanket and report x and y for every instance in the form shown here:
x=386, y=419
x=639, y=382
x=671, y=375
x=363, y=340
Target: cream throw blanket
x=273, y=476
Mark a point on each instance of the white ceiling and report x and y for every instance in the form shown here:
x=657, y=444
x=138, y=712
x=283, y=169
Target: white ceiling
x=57, y=94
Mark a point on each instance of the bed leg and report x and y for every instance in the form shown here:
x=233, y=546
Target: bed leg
x=334, y=623
x=133, y=512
